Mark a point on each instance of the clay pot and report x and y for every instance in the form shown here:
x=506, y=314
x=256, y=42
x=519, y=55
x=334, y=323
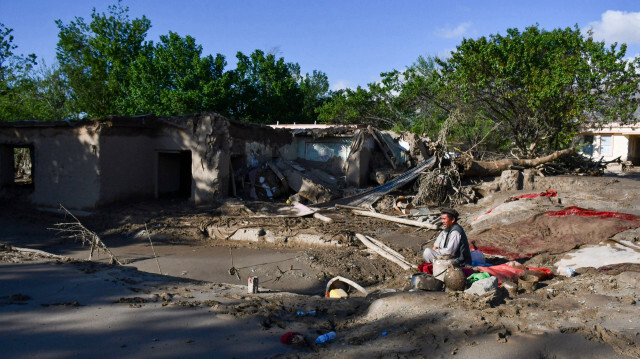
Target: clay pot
x=455, y=279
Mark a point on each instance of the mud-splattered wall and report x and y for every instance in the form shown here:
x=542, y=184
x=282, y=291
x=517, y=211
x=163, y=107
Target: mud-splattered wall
x=90, y=163
x=65, y=164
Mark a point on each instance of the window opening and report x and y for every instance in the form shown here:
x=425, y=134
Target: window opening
x=22, y=165
x=606, y=145
x=587, y=148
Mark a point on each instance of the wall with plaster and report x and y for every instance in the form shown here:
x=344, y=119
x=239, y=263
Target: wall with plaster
x=65, y=164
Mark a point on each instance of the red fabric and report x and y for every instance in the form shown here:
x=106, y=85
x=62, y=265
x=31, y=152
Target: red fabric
x=503, y=272
x=287, y=338
x=426, y=268
x=547, y=193
x=577, y=211
x=489, y=211
x=512, y=270
x=547, y=273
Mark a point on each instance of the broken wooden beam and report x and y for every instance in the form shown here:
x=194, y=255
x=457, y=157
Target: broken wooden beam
x=275, y=170
x=391, y=251
x=382, y=252
x=383, y=147
x=395, y=219
x=323, y=218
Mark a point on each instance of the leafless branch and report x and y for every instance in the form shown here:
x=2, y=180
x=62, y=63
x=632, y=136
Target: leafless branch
x=78, y=232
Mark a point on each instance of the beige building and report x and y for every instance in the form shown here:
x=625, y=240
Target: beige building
x=612, y=141
x=85, y=164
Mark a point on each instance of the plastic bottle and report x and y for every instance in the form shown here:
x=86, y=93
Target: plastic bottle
x=566, y=271
x=302, y=314
x=326, y=337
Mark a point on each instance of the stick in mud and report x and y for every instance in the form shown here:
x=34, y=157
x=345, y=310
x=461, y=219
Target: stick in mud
x=154, y=251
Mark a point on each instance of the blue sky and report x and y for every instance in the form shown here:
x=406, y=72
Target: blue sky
x=352, y=41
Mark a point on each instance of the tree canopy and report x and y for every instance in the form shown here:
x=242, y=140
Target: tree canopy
x=173, y=78
x=95, y=58
x=531, y=90
x=540, y=86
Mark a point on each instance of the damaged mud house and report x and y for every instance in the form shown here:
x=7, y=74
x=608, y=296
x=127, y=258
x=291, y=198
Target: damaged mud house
x=86, y=164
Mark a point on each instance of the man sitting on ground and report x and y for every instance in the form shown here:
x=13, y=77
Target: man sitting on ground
x=452, y=240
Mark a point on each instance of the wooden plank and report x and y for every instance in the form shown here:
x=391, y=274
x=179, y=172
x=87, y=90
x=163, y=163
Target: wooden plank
x=382, y=252
x=391, y=251
x=408, y=222
x=275, y=170
x=322, y=217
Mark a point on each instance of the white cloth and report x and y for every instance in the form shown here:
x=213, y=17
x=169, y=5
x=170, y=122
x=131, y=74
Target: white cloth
x=451, y=248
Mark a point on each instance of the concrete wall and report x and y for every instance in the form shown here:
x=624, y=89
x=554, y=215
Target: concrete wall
x=257, y=153
x=65, y=166
x=211, y=157
x=130, y=166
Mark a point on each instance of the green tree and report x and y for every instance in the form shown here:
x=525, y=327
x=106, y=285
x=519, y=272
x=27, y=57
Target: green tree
x=173, y=78
x=17, y=85
x=50, y=95
x=540, y=86
x=265, y=89
x=347, y=106
x=400, y=100
x=95, y=58
x=314, y=88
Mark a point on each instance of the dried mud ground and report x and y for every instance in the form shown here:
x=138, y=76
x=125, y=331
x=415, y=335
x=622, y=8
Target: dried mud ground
x=57, y=304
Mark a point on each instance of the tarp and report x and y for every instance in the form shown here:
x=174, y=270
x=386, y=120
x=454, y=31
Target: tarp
x=577, y=211
x=511, y=271
x=547, y=193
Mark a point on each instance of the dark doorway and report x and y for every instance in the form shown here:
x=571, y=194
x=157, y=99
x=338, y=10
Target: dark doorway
x=174, y=174
x=634, y=150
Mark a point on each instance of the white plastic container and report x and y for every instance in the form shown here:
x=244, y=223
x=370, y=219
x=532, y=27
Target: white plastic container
x=440, y=265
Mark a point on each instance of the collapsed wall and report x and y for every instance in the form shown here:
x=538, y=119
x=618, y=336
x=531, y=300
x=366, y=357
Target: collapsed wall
x=90, y=163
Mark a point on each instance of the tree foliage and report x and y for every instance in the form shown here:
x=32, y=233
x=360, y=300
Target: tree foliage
x=172, y=78
x=539, y=86
x=95, y=58
x=266, y=89
x=400, y=100
x=111, y=69
x=28, y=90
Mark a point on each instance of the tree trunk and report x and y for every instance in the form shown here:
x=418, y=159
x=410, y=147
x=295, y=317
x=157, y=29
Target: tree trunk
x=471, y=168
